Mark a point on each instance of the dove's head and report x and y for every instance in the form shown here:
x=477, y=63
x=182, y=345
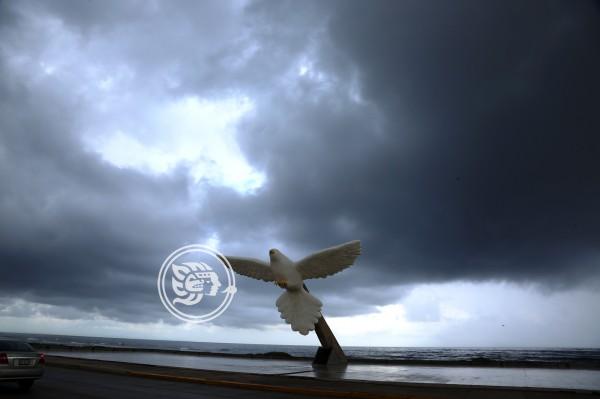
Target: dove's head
x=277, y=257
x=274, y=254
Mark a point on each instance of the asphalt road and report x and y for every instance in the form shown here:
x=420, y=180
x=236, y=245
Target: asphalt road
x=66, y=383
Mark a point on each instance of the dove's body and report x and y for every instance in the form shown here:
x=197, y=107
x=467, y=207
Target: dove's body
x=285, y=271
x=298, y=307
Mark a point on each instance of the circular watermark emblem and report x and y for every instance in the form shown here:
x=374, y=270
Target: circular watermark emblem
x=196, y=283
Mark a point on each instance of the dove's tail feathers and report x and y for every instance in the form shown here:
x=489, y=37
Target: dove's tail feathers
x=299, y=309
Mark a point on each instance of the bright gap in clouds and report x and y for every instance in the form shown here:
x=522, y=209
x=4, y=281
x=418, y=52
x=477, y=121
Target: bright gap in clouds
x=193, y=132
x=484, y=314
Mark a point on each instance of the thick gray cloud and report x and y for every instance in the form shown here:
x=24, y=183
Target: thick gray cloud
x=74, y=230
x=475, y=157
x=458, y=141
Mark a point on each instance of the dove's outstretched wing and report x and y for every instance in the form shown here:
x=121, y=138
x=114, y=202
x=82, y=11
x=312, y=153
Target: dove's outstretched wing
x=329, y=261
x=252, y=268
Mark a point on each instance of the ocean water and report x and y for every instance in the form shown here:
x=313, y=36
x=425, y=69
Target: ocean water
x=379, y=353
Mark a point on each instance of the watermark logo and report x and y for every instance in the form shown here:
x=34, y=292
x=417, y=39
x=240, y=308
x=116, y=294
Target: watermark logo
x=196, y=283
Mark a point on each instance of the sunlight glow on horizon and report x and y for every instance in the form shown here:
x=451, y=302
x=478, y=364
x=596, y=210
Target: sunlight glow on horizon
x=431, y=315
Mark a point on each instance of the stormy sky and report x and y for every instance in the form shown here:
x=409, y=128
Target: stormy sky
x=457, y=140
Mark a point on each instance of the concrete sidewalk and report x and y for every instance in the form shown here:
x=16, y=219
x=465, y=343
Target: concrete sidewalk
x=486, y=376
x=315, y=385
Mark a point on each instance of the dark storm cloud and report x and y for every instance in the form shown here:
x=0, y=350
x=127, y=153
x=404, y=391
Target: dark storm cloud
x=457, y=140
x=491, y=106
x=74, y=230
x=487, y=161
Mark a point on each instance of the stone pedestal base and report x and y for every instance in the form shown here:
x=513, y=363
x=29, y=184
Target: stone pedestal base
x=330, y=353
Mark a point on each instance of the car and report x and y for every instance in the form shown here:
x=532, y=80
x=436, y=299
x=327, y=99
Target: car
x=20, y=363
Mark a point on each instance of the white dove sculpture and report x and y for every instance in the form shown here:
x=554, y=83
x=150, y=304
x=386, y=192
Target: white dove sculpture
x=298, y=308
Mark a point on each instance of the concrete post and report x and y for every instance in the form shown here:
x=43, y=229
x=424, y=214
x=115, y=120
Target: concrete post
x=330, y=352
